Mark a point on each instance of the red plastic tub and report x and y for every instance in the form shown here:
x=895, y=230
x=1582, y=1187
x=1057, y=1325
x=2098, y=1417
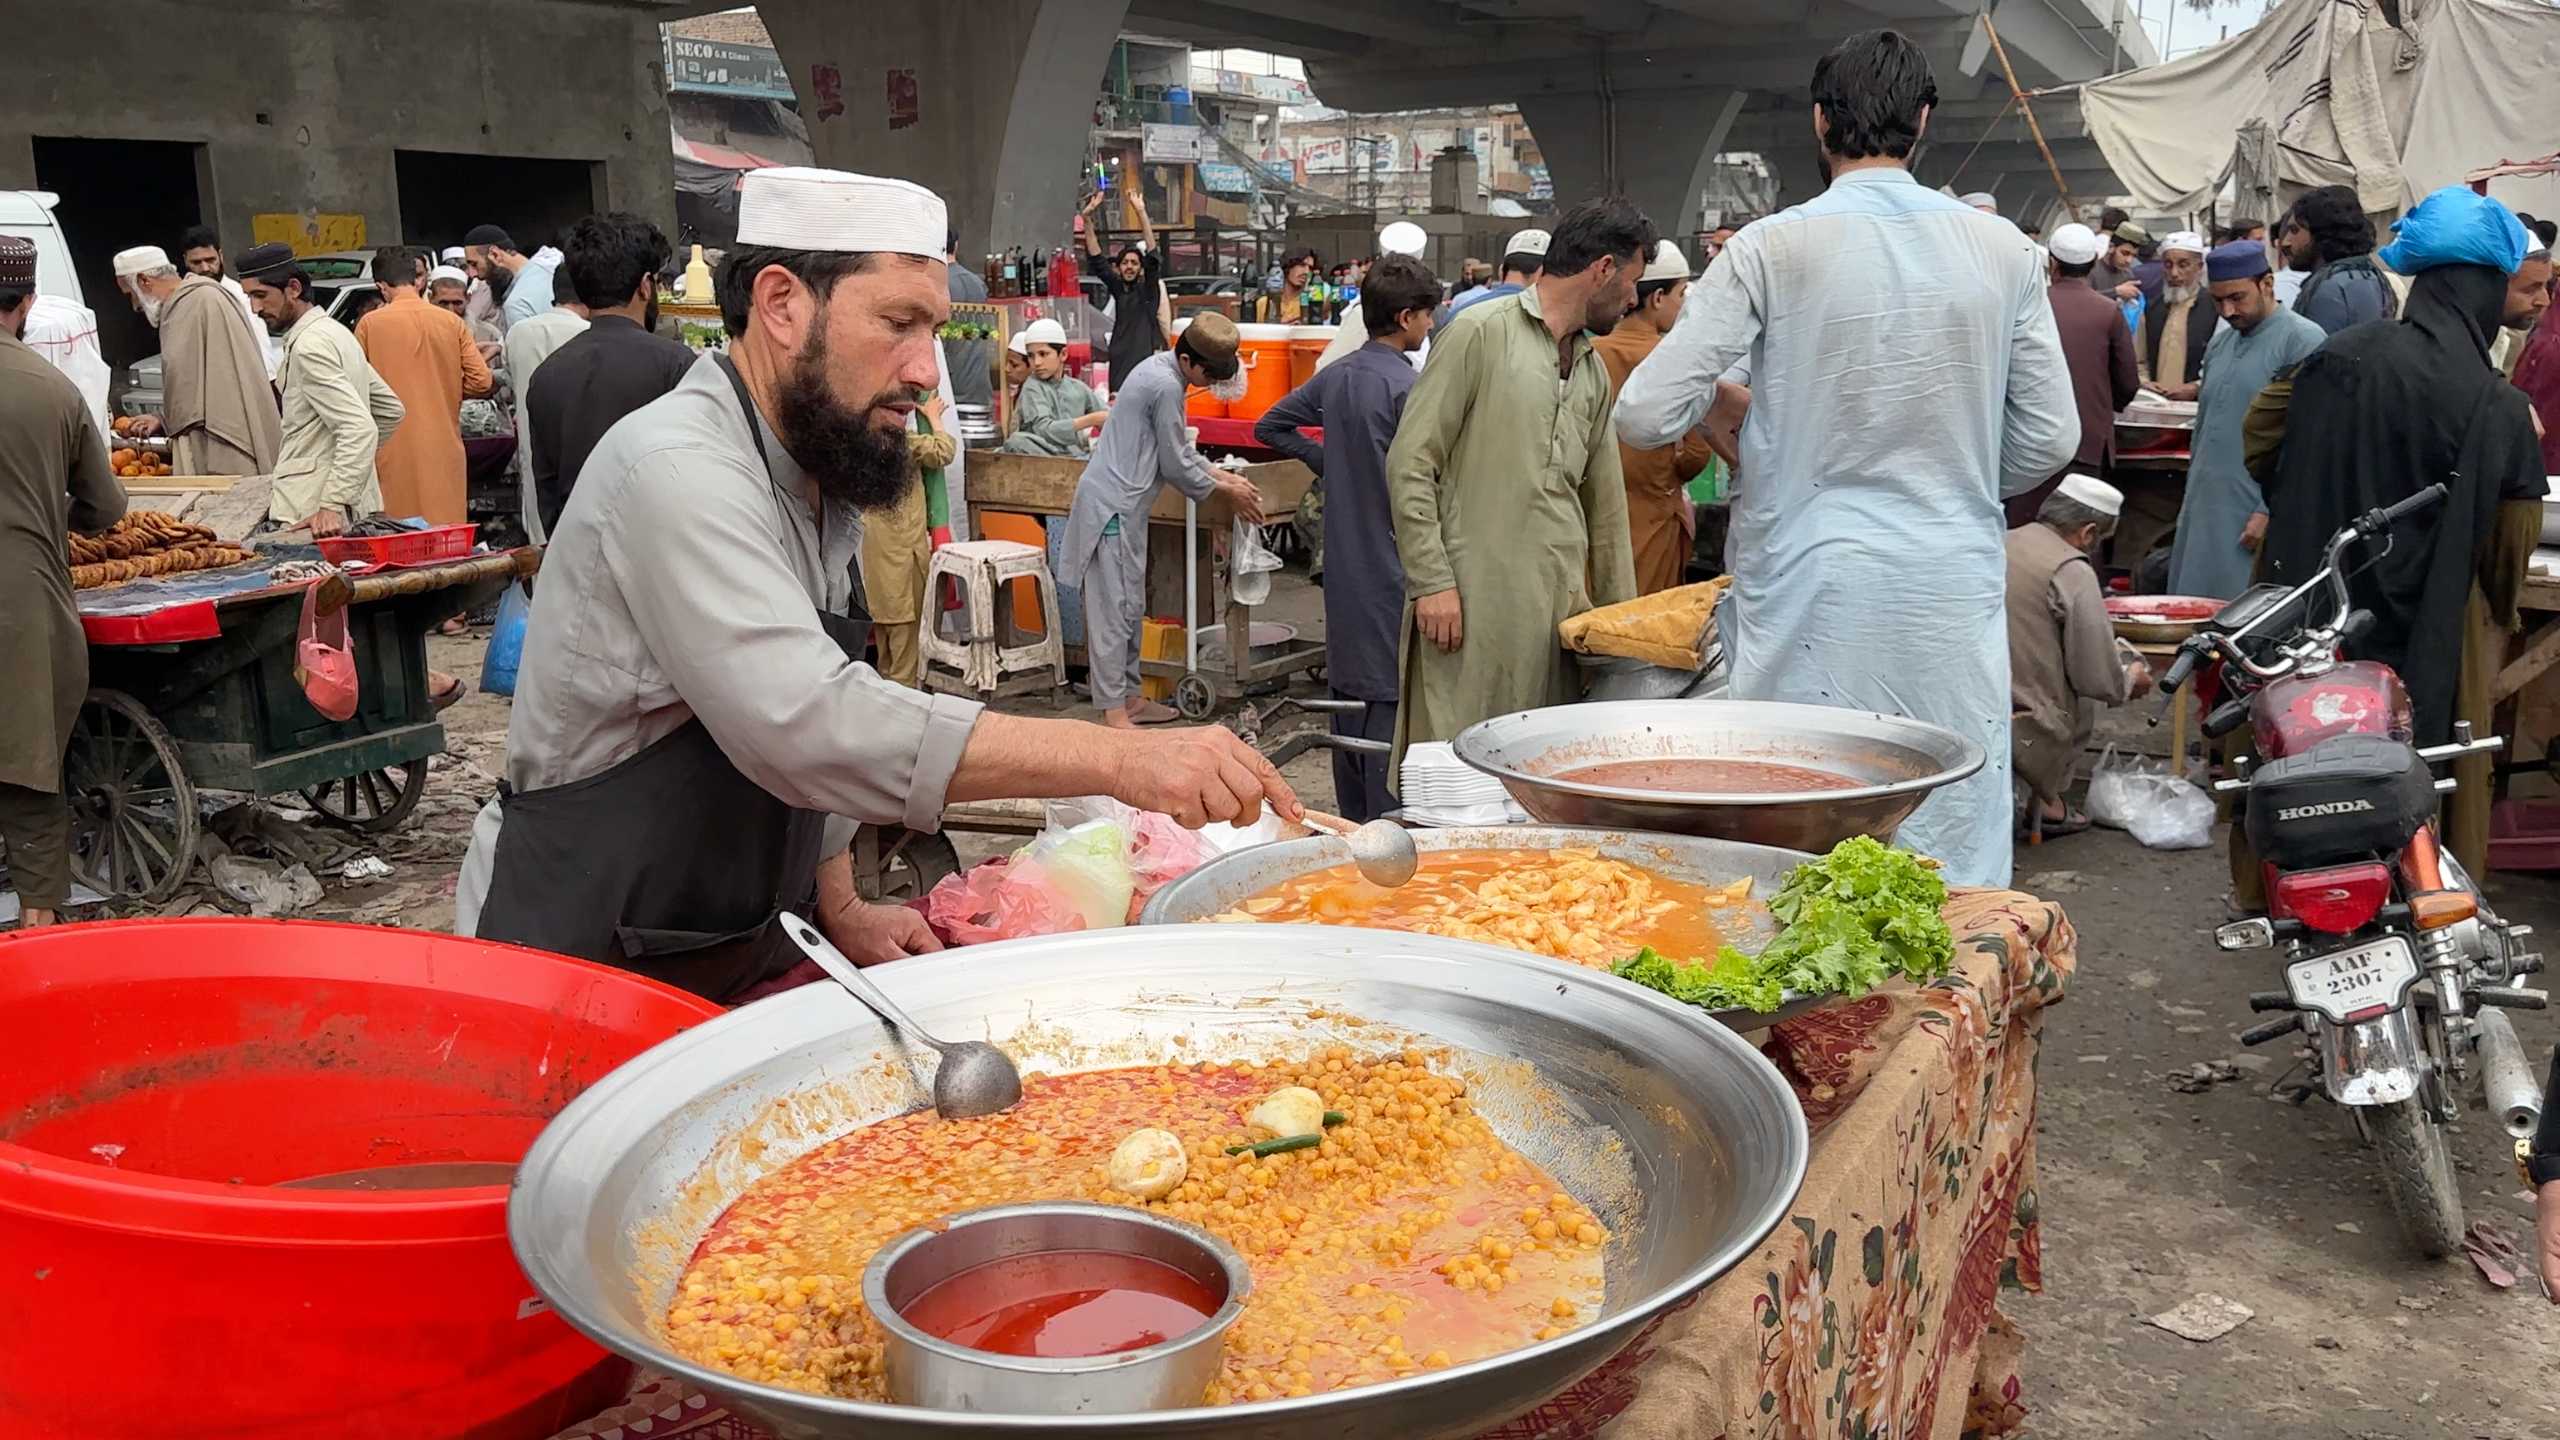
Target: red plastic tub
x=414, y=547
x=163, y=1077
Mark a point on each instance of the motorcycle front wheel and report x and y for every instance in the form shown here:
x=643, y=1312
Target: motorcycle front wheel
x=2417, y=1173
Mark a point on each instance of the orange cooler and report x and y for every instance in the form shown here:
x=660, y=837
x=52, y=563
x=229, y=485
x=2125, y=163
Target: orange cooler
x=1266, y=357
x=1307, y=344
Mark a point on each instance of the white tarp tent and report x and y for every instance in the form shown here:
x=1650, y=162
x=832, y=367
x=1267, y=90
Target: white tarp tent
x=2330, y=92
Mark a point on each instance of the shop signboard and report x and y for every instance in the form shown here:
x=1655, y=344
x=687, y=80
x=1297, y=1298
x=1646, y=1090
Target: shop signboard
x=724, y=69
x=1173, y=144
x=1220, y=178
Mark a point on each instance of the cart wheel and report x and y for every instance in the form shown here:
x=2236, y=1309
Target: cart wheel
x=911, y=863
x=1193, y=697
x=373, y=800
x=133, y=810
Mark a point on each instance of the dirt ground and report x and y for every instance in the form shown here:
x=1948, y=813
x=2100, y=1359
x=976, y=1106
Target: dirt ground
x=2149, y=1195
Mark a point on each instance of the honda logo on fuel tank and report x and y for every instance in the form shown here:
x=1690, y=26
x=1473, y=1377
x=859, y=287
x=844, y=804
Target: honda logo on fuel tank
x=2330, y=807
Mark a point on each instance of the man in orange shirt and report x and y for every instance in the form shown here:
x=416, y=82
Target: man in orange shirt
x=427, y=357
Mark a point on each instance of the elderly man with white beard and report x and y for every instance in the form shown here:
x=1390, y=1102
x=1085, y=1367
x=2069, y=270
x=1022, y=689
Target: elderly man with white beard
x=2175, y=329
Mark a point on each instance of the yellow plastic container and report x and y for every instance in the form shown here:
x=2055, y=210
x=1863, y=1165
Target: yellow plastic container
x=1159, y=640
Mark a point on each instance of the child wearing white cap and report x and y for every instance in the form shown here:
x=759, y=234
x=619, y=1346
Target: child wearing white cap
x=1055, y=409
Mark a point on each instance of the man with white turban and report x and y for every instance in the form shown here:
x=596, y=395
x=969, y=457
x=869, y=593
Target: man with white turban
x=693, y=724
x=2175, y=329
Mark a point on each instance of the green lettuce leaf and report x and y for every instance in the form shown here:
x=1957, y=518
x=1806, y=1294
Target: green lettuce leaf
x=1848, y=921
x=1731, y=979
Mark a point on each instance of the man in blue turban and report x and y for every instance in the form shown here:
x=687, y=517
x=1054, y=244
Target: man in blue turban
x=2383, y=410
x=2223, y=518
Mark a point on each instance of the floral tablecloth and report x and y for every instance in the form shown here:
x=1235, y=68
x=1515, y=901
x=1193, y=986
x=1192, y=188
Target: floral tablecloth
x=1873, y=1312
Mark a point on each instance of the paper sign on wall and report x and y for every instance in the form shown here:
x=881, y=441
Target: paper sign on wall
x=309, y=233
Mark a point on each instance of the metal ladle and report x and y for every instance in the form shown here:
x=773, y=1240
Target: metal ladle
x=974, y=1078
x=1383, y=850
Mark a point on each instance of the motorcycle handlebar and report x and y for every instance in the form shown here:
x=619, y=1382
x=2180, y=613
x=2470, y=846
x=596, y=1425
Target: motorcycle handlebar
x=2377, y=521
x=2181, y=666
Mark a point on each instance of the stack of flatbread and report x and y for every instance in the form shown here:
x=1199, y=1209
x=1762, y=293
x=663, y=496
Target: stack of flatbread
x=1671, y=628
x=146, y=543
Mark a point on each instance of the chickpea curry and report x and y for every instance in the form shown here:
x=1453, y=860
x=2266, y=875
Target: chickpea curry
x=1399, y=1235
x=1576, y=905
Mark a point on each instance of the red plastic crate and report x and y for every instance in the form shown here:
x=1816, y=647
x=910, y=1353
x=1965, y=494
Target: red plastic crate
x=417, y=547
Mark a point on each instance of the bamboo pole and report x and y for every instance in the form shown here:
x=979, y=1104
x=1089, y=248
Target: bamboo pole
x=2019, y=93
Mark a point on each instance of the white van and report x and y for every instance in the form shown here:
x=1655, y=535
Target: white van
x=30, y=213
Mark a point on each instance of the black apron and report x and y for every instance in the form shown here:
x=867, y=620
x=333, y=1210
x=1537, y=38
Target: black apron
x=671, y=864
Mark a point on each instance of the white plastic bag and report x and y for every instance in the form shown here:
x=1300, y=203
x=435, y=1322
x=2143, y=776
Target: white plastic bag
x=1249, y=564
x=2163, y=811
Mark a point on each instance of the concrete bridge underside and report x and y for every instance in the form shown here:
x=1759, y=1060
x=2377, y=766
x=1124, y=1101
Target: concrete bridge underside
x=1636, y=96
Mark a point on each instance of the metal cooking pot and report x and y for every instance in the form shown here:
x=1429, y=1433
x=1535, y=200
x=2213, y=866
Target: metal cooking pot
x=1231, y=879
x=1897, y=762
x=1685, y=1141
x=924, y=1369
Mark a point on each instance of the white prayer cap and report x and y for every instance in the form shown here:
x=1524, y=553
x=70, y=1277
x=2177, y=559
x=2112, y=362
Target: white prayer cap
x=797, y=207
x=1528, y=242
x=453, y=273
x=1043, y=331
x=140, y=260
x=2186, y=240
x=452, y=253
x=1403, y=238
x=2097, y=494
x=2074, y=244
x=1667, y=264
x=1981, y=200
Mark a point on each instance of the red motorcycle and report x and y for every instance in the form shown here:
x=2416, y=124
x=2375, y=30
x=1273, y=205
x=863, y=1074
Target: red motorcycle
x=2394, y=964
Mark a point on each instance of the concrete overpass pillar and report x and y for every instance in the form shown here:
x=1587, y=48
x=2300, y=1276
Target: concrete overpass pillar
x=1004, y=101
x=1654, y=146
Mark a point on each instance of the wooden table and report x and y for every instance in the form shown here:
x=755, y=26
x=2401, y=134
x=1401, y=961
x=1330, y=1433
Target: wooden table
x=2180, y=704
x=1045, y=486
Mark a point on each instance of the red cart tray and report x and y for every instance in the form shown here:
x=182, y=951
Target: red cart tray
x=415, y=547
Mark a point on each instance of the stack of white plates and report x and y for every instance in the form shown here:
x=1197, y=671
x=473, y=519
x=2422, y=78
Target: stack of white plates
x=976, y=423
x=1437, y=789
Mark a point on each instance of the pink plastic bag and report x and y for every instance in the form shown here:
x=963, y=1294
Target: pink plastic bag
x=324, y=658
x=1163, y=853
x=999, y=900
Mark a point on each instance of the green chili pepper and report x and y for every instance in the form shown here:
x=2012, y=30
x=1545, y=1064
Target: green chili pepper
x=1262, y=1148
x=1333, y=1118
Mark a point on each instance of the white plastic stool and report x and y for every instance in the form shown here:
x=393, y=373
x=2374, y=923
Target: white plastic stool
x=983, y=665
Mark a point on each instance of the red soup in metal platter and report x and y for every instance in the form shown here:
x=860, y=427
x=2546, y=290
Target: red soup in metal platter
x=1709, y=777
x=1063, y=1304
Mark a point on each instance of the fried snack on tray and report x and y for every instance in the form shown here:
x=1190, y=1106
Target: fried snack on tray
x=174, y=559
x=138, y=533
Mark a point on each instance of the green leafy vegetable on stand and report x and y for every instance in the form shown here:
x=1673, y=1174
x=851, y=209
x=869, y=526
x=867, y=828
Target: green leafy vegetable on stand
x=1848, y=921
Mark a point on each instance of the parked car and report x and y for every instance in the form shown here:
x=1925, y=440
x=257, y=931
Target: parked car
x=337, y=278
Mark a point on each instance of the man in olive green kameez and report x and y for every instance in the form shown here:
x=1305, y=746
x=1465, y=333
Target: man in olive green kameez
x=1510, y=512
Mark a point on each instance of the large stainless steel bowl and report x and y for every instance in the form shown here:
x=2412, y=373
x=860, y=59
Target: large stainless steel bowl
x=1684, y=1140
x=1231, y=879
x=1896, y=761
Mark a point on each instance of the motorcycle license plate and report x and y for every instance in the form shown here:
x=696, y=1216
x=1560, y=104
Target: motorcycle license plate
x=2346, y=983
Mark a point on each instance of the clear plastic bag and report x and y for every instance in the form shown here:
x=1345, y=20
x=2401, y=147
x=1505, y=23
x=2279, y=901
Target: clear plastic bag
x=1249, y=564
x=2163, y=811
x=1089, y=864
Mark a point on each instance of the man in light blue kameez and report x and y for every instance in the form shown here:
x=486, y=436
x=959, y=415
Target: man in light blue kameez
x=2224, y=517
x=1904, y=375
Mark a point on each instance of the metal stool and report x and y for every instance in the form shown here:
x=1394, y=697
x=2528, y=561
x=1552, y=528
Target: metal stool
x=984, y=665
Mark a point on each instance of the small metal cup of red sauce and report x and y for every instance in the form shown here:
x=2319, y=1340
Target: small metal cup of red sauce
x=1055, y=1308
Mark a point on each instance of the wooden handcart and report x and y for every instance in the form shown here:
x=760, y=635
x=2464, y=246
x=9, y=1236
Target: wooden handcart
x=199, y=695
